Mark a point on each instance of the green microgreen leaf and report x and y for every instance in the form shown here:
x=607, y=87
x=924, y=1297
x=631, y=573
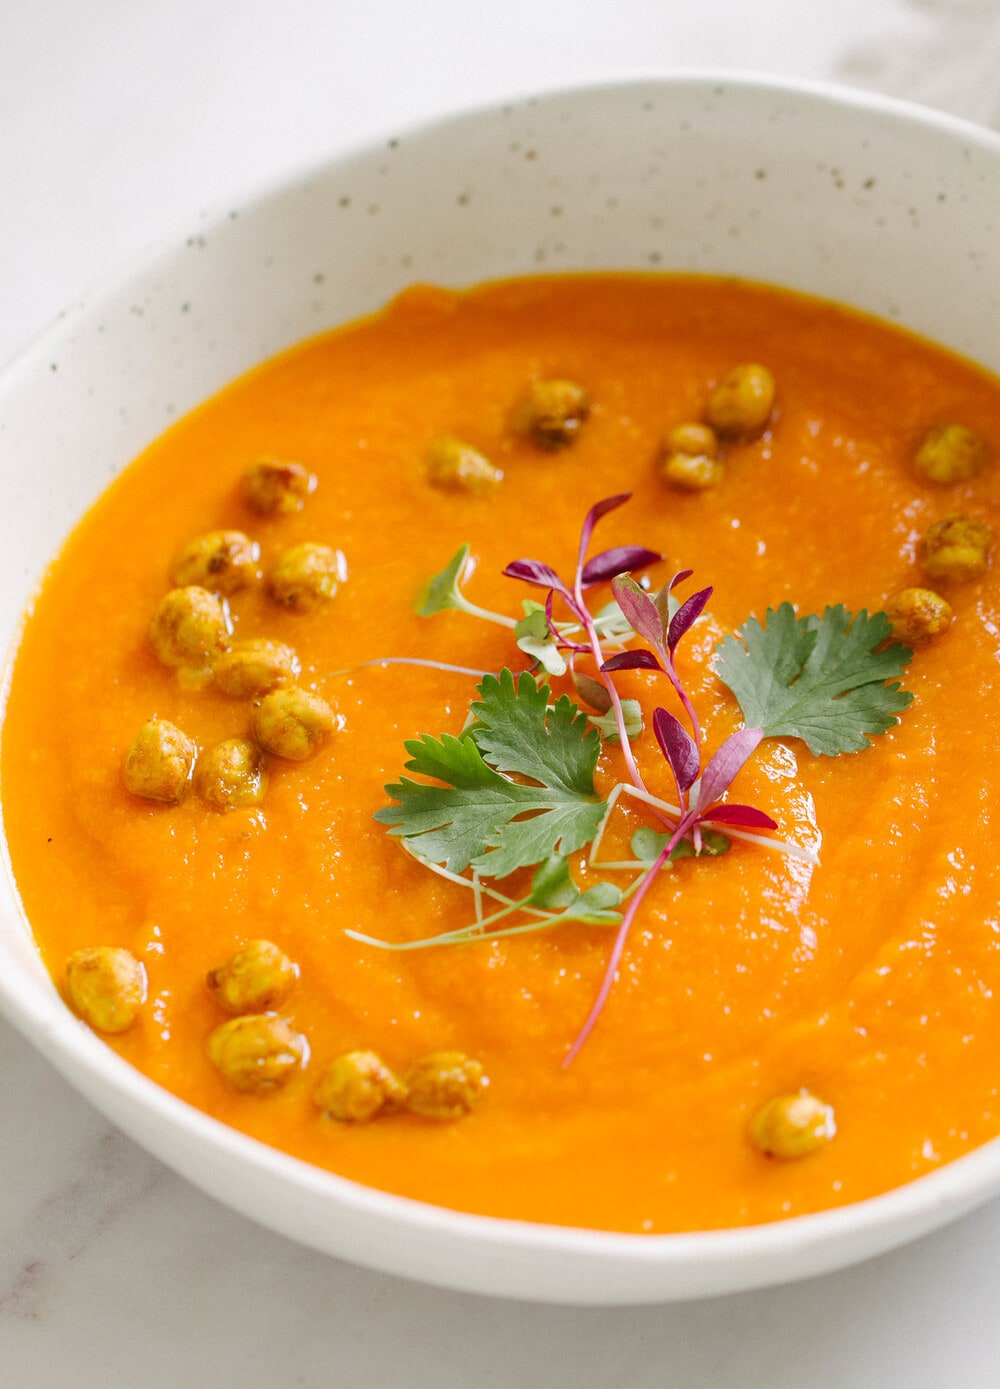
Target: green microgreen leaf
x=536, y=638
x=608, y=727
x=832, y=681
x=442, y=591
x=647, y=845
x=478, y=815
x=553, y=889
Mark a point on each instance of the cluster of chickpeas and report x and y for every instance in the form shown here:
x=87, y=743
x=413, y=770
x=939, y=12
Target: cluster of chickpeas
x=953, y=550
x=191, y=633
x=256, y=1051
x=739, y=407
x=550, y=414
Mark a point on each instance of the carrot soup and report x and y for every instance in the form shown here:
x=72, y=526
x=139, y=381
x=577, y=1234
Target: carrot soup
x=533, y=750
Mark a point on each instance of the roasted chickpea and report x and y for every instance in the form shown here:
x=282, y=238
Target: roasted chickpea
x=444, y=1085
x=273, y=487
x=951, y=453
x=190, y=627
x=918, y=615
x=550, y=413
x=690, y=458
x=254, y=666
x=106, y=986
x=159, y=764
x=458, y=467
x=232, y=775
x=358, y=1086
x=792, y=1126
x=740, y=404
x=254, y=979
x=306, y=575
x=221, y=561
x=292, y=723
x=257, y=1053
x=957, y=547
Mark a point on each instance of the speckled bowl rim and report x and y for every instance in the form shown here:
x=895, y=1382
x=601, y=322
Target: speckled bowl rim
x=451, y=1248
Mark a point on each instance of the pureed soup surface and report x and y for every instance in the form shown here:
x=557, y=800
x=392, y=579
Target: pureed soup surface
x=869, y=981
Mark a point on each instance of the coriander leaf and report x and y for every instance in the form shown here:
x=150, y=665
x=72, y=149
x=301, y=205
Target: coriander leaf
x=519, y=734
x=442, y=592
x=476, y=817
x=828, y=680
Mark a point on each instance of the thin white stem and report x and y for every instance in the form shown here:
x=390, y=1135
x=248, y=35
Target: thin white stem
x=411, y=661
x=474, y=610
x=781, y=846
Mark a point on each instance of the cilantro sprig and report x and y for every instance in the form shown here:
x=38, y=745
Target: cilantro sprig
x=831, y=681
x=479, y=816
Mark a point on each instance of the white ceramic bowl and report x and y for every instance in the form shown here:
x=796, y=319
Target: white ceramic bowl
x=886, y=207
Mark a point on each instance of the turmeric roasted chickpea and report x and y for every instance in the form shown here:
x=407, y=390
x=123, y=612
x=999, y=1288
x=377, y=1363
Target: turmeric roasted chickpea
x=357, y=1087
x=256, y=1053
x=690, y=458
x=792, y=1126
x=254, y=666
x=918, y=615
x=221, y=561
x=159, y=764
x=256, y=978
x=740, y=404
x=292, y=723
x=550, y=413
x=444, y=1085
x=951, y=453
x=306, y=575
x=957, y=547
x=232, y=775
x=272, y=487
x=190, y=627
x=106, y=987
x=458, y=467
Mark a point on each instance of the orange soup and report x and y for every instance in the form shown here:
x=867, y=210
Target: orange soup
x=800, y=1015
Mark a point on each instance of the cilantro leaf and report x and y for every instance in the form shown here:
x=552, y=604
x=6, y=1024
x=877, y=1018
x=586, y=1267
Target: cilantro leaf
x=831, y=680
x=476, y=817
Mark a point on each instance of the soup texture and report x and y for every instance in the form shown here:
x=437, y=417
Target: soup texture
x=795, y=1010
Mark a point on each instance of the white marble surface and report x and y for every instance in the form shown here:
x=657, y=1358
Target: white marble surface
x=119, y=119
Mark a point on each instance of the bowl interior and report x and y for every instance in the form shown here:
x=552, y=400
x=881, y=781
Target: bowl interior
x=883, y=207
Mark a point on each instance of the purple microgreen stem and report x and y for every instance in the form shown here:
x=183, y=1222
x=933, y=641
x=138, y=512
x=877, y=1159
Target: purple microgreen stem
x=611, y=970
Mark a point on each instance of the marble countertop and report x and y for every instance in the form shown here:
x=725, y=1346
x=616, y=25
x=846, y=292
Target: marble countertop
x=119, y=121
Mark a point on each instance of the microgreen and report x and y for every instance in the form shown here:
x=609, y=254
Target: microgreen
x=832, y=681
x=516, y=790
x=443, y=592
x=554, y=900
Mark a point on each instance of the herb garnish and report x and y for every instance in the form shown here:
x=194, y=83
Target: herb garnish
x=476, y=817
x=516, y=789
